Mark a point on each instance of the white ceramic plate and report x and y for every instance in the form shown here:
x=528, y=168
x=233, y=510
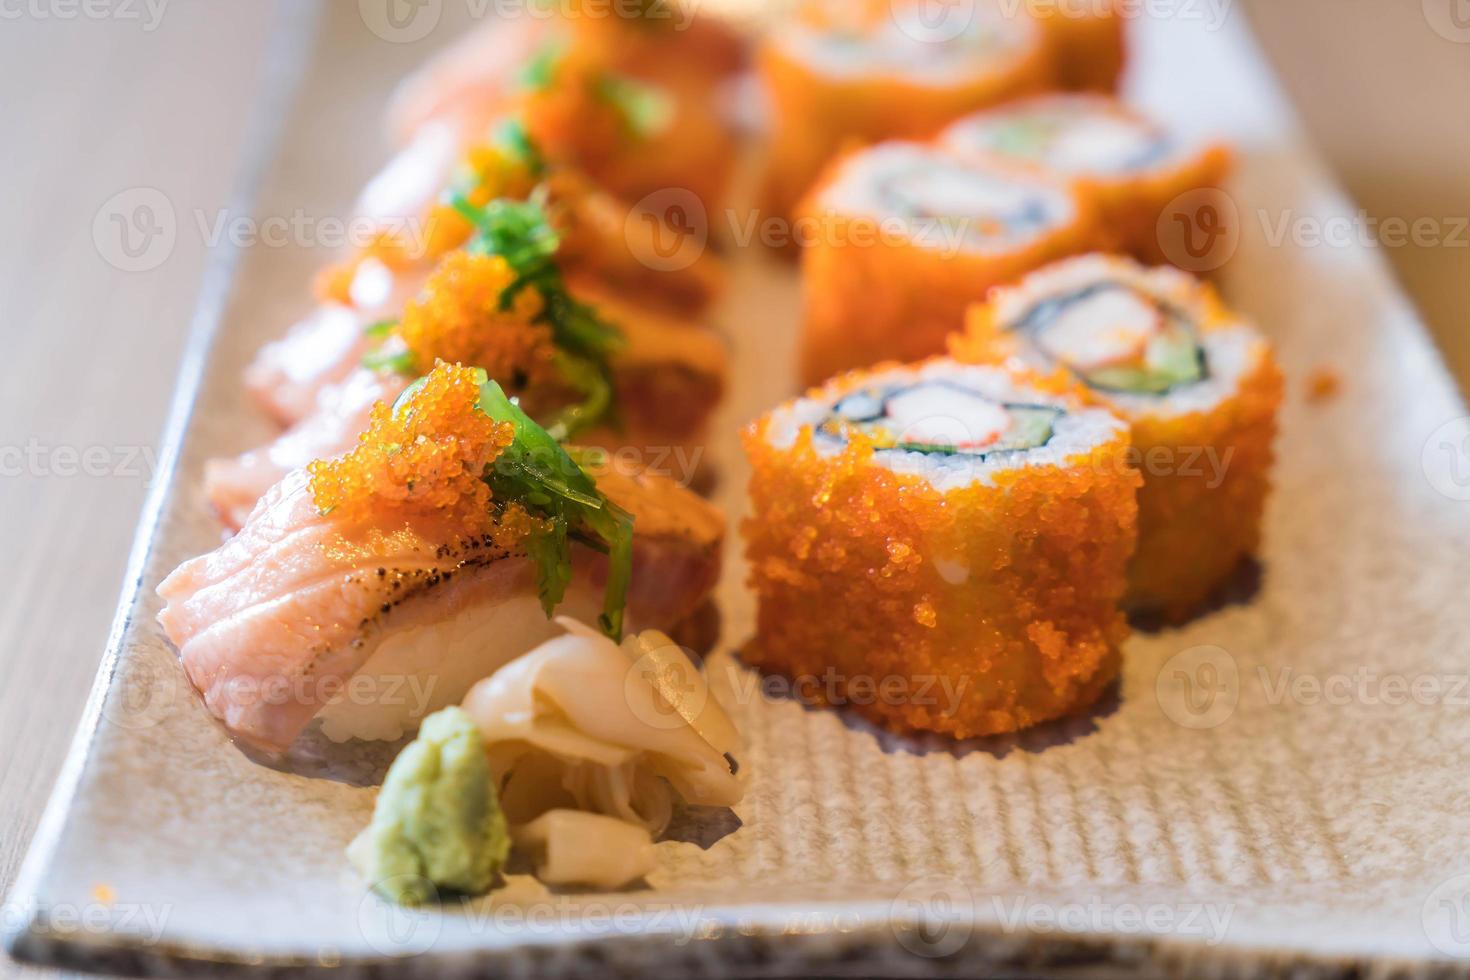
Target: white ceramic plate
x=1278, y=785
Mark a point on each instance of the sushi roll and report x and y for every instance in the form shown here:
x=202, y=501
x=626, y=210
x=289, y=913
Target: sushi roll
x=908, y=236
x=371, y=589
x=946, y=542
x=1132, y=166
x=1198, y=385
x=841, y=73
x=1088, y=41
x=583, y=362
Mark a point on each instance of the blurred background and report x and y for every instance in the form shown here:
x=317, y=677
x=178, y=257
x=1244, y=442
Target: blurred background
x=104, y=97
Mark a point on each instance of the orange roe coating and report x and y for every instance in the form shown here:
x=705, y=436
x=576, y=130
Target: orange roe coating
x=869, y=295
x=458, y=318
x=979, y=610
x=1323, y=384
x=333, y=284
x=1133, y=217
x=1132, y=204
x=497, y=174
x=599, y=238
x=659, y=39
x=1088, y=43
x=425, y=459
x=1206, y=475
x=1199, y=514
x=816, y=115
x=574, y=122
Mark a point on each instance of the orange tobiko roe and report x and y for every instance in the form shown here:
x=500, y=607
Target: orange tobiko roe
x=1089, y=45
x=426, y=459
x=974, y=611
x=870, y=294
x=659, y=39
x=460, y=318
x=333, y=283
x=1206, y=474
x=1135, y=206
x=817, y=115
x=693, y=151
x=601, y=238
x=1201, y=516
x=497, y=174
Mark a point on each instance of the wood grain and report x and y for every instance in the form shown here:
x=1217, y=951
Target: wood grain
x=91, y=350
x=1381, y=93
x=111, y=106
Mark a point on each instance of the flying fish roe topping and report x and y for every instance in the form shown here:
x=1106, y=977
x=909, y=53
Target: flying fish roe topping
x=489, y=171
x=333, y=283
x=461, y=317
x=426, y=458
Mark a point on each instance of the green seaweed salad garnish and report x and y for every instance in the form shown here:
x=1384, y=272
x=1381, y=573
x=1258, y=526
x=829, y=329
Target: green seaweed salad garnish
x=643, y=110
x=536, y=472
x=522, y=233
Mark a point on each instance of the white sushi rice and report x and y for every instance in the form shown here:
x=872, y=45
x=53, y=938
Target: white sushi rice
x=417, y=671
x=1232, y=350
x=1231, y=353
x=977, y=202
x=911, y=44
x=1074, y=433
x=1165, y=283
x=1089, y=136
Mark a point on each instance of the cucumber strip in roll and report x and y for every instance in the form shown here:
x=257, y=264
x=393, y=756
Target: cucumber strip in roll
x=1116, y=338
x=938, y=418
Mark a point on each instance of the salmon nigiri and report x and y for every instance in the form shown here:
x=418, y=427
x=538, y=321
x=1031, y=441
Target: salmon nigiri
x=371, y=589
x=635, y=129
x=649, y=39
x=424, y=212
x=576, y=365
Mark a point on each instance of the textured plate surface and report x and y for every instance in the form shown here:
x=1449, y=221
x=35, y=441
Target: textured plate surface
x=1280, y=782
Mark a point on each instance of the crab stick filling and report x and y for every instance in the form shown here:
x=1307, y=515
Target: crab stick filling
x=939, y=418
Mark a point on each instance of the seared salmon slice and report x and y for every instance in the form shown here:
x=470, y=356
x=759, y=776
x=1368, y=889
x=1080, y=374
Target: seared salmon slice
x=430, y=554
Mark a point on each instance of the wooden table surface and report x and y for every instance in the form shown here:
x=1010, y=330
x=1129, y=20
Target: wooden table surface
x=150, y=100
